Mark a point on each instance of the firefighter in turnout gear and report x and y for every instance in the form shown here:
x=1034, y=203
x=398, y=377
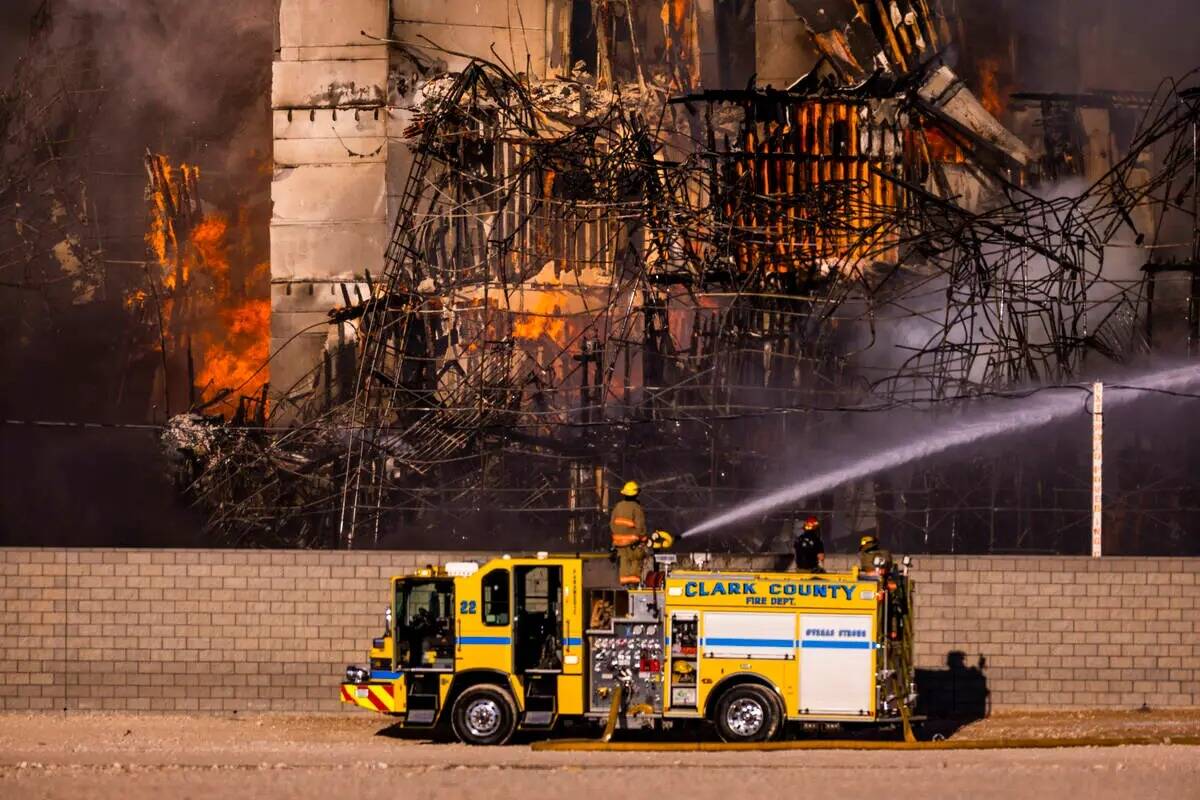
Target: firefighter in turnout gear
x=628, y=526
x=808, y=547
x=868, y=551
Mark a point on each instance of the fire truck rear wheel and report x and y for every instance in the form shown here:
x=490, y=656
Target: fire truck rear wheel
x=484, y=715
x=747, y=713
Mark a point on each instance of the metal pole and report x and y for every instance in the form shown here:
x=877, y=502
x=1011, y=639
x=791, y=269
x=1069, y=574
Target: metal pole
x=1097, y=467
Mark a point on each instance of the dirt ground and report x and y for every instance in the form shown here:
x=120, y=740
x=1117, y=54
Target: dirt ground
x=129, y=757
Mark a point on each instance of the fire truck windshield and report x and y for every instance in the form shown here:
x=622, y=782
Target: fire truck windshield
x=425, y=624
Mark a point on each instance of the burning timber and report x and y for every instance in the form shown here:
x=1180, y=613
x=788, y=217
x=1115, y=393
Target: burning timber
x=588, y=279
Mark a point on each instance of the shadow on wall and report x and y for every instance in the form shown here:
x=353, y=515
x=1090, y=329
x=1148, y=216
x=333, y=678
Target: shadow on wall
x=953, y=697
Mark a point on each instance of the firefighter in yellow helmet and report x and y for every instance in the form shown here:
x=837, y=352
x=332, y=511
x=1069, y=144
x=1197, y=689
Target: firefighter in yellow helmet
x=868, y=551
x=628, y=526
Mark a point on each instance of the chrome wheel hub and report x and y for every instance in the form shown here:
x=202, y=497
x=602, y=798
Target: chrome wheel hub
x=483, y=717
x=745, y=717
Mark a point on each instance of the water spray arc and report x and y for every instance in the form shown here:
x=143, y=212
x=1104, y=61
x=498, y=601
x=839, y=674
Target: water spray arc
x=1038, y=411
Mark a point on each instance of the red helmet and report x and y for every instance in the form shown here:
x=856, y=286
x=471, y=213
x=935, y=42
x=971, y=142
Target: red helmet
x=811, y=524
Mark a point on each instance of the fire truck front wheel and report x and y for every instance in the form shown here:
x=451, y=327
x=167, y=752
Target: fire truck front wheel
x=484, y=714
x=747, y=713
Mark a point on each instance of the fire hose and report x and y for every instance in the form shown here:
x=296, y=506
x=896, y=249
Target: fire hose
x=582, y=745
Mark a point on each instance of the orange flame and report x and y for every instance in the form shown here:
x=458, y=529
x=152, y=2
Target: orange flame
x=221, y=308
x=235, y=359
x=990, y=94
x=942, y=149
x=541, y=317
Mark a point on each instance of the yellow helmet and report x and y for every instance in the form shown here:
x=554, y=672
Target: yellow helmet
x=868, y=542
x=630, y=489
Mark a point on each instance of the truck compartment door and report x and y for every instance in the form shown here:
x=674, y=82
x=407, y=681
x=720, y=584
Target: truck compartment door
x=837, y=664
x=749, y=634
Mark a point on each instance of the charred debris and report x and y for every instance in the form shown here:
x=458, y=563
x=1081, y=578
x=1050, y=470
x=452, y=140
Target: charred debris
x=595, y=278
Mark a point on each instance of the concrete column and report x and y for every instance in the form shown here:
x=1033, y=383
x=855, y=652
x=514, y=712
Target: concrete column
x=329, y=226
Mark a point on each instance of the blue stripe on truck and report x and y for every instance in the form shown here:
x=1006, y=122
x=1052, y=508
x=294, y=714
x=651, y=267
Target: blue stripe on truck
x=815, y=643
x=719, y=642
x=828, y=645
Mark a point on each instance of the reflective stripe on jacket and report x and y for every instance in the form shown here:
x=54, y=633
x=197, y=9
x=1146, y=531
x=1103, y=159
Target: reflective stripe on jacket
x=628, y=523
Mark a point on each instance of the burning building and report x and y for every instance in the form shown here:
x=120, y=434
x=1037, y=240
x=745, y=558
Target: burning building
x=519, y=255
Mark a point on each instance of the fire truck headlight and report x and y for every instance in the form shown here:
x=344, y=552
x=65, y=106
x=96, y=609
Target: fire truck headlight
x=906, y=561
x=356, y=674
x=879, y=562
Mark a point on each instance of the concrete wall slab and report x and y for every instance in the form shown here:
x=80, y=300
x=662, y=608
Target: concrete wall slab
x=307, y=23
x=329, y=193
x=337, y=250
x=329, y=84
x=327, y=123
x=349, y=150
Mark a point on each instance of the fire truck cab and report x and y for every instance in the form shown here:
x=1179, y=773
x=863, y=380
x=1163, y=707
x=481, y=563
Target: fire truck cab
x=522, y=643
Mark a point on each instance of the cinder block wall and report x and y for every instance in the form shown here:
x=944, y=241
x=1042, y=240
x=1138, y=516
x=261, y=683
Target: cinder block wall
x=225, y=630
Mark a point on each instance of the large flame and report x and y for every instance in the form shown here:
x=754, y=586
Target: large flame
x=218, y=307
x=237, y=358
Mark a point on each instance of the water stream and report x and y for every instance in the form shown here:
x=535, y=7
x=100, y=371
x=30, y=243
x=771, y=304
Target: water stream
x=1027, y=413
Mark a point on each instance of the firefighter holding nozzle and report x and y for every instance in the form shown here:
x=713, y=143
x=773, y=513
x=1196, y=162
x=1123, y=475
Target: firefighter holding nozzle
x=629, y=537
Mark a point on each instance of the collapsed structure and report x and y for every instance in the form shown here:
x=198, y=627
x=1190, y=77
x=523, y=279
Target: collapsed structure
x=599, y=267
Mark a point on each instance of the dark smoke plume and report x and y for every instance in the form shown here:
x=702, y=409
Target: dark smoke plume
x=190, y=80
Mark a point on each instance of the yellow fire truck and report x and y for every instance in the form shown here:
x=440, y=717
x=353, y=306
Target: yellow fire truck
x=522, y=643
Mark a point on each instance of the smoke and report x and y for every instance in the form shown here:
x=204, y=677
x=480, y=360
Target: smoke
x=931, y=334
x=948, y=433
x=189, y=75
x=70, y=487
x=1076, y=45
x=190, y=80
x=14, y=30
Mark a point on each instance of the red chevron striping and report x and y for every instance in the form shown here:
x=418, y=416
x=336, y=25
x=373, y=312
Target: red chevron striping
x=346, y=696
x=375, y=701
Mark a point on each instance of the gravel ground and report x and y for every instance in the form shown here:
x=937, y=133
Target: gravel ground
x=128, y=757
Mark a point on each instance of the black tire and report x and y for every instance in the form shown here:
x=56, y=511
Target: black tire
x=747, y=713
x=484, y=715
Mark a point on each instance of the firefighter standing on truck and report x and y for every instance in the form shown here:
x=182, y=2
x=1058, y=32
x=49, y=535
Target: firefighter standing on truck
x=808, y=547
x=628, y=526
